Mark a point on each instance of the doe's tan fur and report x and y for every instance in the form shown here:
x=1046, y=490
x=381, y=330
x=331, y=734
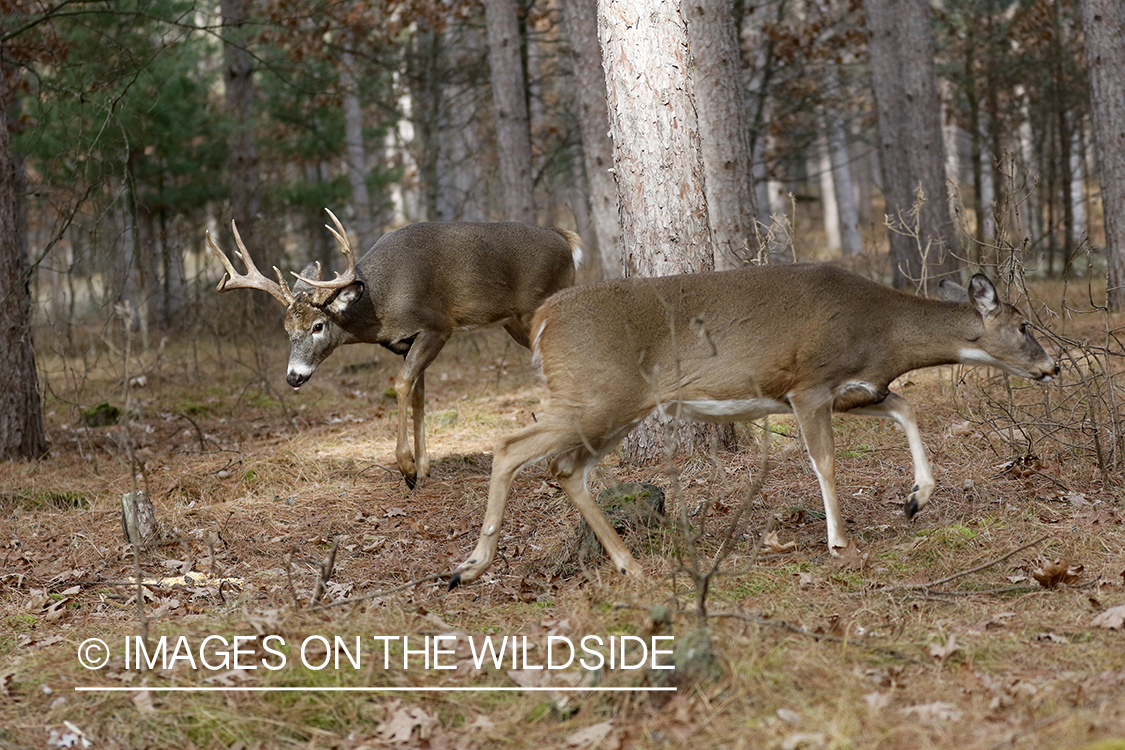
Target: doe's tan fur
x=807, y=339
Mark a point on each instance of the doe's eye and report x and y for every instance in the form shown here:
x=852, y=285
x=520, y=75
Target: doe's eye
x=1023, y=328
x=317, y=327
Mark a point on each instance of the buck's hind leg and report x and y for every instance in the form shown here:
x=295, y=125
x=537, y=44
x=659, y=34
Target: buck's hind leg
x=898, y=408
x=418, y=413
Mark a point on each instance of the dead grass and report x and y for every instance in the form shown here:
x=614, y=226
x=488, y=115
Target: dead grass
x=254, y=483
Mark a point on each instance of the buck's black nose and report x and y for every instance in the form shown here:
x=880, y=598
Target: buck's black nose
x=296, y=379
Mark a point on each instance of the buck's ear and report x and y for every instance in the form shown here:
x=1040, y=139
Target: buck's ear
x=951, y=291
x=345, y=297
x=983, y=295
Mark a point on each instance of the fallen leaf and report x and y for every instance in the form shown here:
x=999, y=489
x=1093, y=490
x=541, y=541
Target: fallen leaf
x=1052, y=574
x=590, y=736
x=143, y=701
x=402, y=722
x=996, y=621
x=789, y=716
x=1053, y=638
x=481, y=723
x=941, y=652
x=850, y=556
x=805, y=741
x=877, y=701
x=1112, y=619
x=936, y=711
x=773, y=544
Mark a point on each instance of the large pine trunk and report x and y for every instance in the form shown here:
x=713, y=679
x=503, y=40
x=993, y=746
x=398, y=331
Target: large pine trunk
x=658, y=167
x=354, y=152
x=21, y=412
x=724, y=130
x=242, y=144
x=509, y=97
x=911, y=152
x=1104, y=22
x=581, y=18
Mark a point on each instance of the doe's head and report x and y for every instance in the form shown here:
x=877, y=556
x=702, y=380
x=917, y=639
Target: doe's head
x=1005, y=339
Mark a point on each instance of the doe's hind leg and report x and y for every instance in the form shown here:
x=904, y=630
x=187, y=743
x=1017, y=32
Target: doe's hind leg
x=572, y=474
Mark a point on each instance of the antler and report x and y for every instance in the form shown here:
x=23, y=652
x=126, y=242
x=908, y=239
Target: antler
x=348, y=276
x=253, y=278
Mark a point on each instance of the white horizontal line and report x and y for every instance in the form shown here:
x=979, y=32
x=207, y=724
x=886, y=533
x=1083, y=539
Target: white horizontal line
x=292, y=689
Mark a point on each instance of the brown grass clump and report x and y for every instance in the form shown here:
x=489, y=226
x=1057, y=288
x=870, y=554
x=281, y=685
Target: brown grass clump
x=932, y=635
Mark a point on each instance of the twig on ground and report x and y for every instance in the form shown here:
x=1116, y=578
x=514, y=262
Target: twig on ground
x=983, y=566
x=326, y=567
x=790, y=628
x=384, y=592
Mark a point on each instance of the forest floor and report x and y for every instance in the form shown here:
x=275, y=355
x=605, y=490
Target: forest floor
x=933, y=634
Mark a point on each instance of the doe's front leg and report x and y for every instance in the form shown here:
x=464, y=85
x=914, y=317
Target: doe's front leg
x=898, y=408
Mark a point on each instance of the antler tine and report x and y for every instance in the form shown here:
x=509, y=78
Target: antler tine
x=253, y=278
x=342, y=279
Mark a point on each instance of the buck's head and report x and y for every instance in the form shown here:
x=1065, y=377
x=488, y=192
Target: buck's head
x=1004, y=338
x=314, y=307
x=313, y=322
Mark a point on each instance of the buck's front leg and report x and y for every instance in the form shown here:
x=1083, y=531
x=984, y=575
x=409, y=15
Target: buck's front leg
x=410, y=390
x=898, y=408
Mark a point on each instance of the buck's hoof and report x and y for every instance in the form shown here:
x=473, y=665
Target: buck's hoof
x=411, y=480
x=454, y=581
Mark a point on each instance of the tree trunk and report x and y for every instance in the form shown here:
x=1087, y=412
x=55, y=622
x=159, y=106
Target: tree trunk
x=656, y=150
x=423, y=71
x=822, y=167
x=242, y=145
x=581, y=18
x=21, y=412
x=354, y=152
x=911, y=153
x=844, y=189
x=658, y=165
x=174, y=307
x=1104, y=23
x=724, y=129
x=509, y=97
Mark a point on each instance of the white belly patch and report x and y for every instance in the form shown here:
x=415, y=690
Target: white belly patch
x=734, y=410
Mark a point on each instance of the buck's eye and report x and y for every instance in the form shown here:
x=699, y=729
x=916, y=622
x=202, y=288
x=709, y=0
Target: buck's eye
x=1023, y=328
x=318, y=327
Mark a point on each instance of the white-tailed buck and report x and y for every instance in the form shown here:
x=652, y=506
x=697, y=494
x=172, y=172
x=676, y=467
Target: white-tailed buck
x=806, y=339
x=409, y=293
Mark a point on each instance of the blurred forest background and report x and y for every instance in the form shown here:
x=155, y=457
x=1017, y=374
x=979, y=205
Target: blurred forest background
x=134, y=126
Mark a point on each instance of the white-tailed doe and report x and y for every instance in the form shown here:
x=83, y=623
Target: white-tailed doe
x=409, y=293
x=806, y=339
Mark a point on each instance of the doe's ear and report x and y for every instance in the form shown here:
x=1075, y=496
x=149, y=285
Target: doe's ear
x=951, y=291
x=983, y=295
x=345, y=297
